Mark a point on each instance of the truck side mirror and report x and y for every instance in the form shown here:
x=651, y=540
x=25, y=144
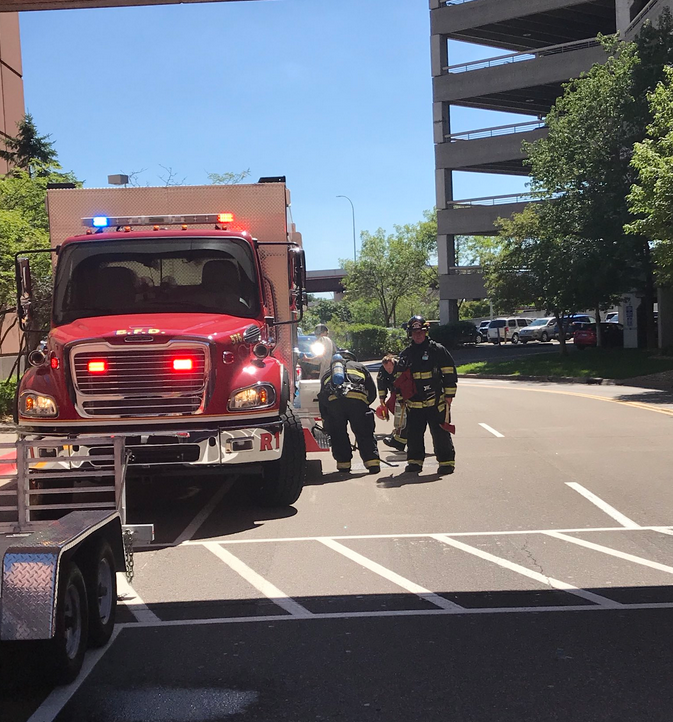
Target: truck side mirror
x=24, y=293
x=297, y=277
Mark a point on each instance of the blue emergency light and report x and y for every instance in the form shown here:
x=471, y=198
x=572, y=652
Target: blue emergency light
x=100, y=222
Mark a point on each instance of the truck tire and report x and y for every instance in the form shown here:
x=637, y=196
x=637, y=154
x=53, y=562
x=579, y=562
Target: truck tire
x=101, y=587
x=72, y=626
x=283, y=480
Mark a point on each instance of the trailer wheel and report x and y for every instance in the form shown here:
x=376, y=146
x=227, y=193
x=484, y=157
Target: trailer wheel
x=101, y=590
x=283, y=480
x=72, y=625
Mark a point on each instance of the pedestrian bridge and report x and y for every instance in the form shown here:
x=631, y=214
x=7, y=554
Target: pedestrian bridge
x=325, y=281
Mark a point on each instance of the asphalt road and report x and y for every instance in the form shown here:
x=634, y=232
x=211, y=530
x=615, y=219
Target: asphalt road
x=533, y=584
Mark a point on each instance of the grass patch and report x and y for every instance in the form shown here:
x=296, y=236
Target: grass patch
x=592, y=362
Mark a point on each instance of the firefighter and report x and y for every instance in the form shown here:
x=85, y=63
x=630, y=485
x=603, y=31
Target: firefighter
x=384, y=383
x=346, y=391
x=426, y=379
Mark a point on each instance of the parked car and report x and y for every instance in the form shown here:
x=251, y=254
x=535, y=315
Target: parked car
x=540, y=329
x=506, y=329
x=612, y=317
x=572, y=323
x=482, y=331
x=613, y=335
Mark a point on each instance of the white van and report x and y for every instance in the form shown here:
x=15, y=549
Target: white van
x=506, y=329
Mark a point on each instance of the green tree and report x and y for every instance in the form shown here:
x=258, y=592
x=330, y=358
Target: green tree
x=581, y=173
x=228, y=179
x=651, y=197
x=392, y=266
x=527, y=269
x=28, y=150
x=24, y=225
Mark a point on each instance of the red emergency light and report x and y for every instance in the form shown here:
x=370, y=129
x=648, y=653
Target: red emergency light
x=225, y=217
x=183, y=364
x=97, y=367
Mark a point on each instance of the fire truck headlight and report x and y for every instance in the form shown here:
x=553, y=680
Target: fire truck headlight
x=37, y=405
x=259, y=396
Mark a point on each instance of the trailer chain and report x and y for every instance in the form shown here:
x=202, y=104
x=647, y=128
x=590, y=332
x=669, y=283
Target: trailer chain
x=127, y=538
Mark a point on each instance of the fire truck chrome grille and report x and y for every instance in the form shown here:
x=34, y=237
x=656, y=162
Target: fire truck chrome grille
x=136, y=383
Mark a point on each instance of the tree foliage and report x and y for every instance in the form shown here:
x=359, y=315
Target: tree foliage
x=651, y=197
x=392, y=266
x=28, y=150
x=24, y=225
x=228, y=179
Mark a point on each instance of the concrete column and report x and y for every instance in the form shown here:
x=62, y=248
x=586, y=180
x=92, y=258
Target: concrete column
x=439, y=54
x=623, y=14
x=665, y=319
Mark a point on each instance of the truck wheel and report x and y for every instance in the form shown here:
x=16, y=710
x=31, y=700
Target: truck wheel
x=72, y=626
x=101, y=587
x=283, y=480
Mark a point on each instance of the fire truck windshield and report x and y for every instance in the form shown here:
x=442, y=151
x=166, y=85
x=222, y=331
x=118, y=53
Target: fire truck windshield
x=155, y=275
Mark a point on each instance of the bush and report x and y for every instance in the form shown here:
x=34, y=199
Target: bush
x=367, y=341
x=397, y=340
x=454, y=334
x=7, y=394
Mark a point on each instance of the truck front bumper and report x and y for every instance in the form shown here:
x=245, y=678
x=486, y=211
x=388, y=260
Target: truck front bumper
x=179, y=448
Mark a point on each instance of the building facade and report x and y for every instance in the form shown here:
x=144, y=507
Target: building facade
x=537, y=47
x=11, y=77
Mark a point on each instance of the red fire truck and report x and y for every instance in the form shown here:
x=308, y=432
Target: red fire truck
x=174, y=329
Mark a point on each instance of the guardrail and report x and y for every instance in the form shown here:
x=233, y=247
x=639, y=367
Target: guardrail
x=494, y=200
x=497, y=131
x=641, y=16
x=464, y=270
x=522, y=56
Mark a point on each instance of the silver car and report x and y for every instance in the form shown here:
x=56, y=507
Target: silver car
x=540, y=329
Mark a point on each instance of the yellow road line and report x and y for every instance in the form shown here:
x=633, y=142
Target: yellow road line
x=635, y=404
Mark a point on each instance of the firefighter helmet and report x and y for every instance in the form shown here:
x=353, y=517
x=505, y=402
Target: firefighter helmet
x=415, y=323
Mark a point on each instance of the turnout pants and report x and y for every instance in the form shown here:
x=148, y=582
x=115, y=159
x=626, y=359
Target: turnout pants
x=340, y=413
x=417, y=420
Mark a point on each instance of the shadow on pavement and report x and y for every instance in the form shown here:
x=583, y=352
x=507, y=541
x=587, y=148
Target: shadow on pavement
x=589, y=664
x=649, y=397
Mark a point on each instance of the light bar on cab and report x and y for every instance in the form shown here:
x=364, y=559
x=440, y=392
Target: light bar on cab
x=115, y=221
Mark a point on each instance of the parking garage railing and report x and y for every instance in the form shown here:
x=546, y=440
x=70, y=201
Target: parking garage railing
x=522, y=56
x=641, y=16
x=494, y=200
x=496, y=131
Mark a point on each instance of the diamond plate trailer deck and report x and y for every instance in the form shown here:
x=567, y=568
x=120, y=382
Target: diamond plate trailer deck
x=61, y=545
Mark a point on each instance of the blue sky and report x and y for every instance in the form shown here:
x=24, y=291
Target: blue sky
x=335, y=95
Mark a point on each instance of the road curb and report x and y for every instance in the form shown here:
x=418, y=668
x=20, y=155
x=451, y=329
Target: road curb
x=591, y=380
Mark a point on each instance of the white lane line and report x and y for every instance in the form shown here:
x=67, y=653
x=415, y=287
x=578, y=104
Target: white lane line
x=612, y=552
x=207, y=510
x=400, y=613
x=603, y=506
x=133, y=601
x=261, y=585
x=345, y=537
x=59, y=697
x=506, y=564
x=391, y=576
x=492, y=431
x=662, y=530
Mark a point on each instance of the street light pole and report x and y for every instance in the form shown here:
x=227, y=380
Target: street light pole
x=353, y=210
